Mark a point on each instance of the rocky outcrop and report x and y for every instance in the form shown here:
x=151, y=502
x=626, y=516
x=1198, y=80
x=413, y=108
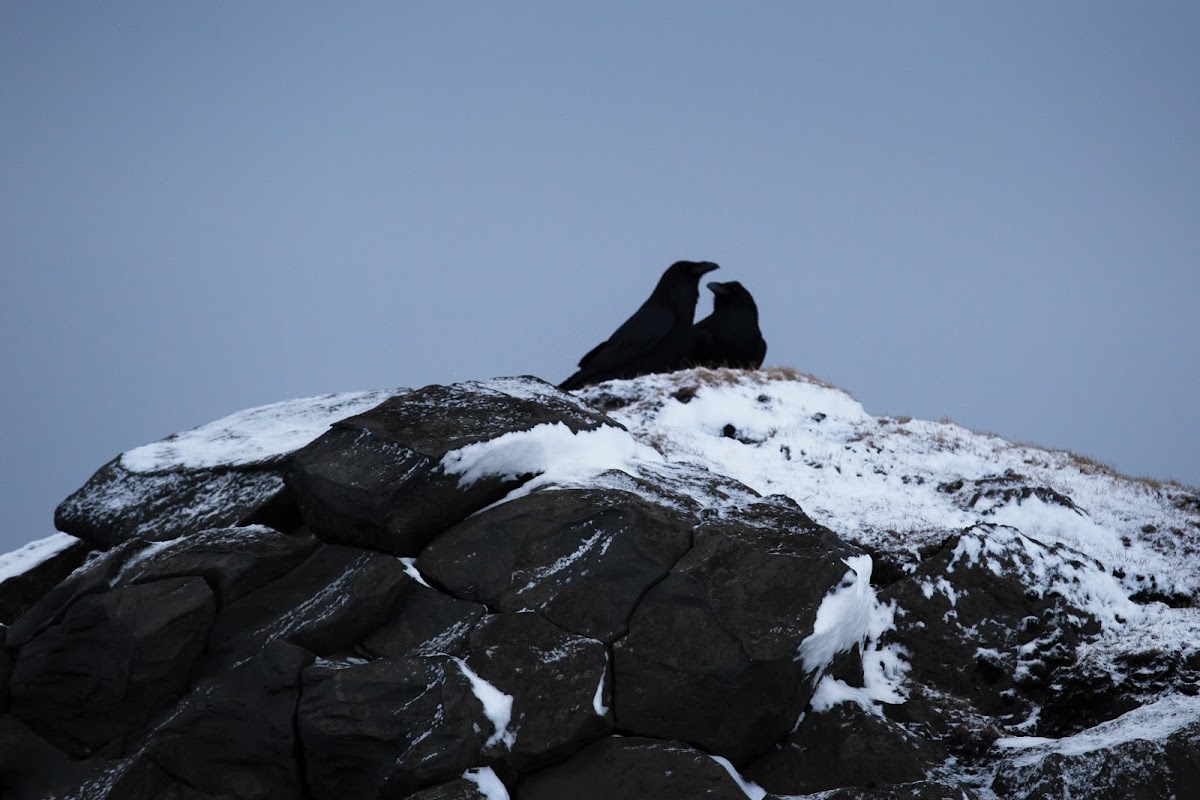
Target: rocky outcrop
x=365, y=622
x=375, y=480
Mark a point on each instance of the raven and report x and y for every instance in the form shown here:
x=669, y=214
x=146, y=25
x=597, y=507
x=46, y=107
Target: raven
x=657, y=338
x=729, y=337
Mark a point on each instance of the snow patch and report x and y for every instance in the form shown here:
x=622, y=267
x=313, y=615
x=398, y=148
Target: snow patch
x=851, y=615
x=490, y=786
x=30, y=555
x=254, y=435
x=552, y=452
x=410, y=569
x=598, y=701
x=497, y=707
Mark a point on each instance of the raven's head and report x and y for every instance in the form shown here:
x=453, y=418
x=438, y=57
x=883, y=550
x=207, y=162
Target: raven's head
x=731, y=295
x=680, y=284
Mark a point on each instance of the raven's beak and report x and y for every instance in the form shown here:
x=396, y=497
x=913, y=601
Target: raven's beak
x=704, y=267
x=715, y=287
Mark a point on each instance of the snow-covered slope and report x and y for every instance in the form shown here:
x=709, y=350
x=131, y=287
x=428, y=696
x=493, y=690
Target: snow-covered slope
x=893, y=484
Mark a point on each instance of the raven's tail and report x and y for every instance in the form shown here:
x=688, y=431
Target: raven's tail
x=576, y=381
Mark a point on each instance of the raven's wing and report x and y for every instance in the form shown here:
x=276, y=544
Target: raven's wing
x=636, y=337
x=703, y=342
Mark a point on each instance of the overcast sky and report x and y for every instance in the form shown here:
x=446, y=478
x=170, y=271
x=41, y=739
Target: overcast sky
x=988, y=212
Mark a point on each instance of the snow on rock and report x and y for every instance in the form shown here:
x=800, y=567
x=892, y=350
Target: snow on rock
x=852, y=616
x=1151, y=722
x=752, y=790
x=490, y=786
x=598, y=700
x=497, y=707
x=552, y=452
x=895, y=484
x=28, y=556
x=1152, y=748
x=252, y=436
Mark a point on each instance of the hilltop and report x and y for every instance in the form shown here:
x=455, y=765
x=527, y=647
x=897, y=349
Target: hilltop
x=708, y=583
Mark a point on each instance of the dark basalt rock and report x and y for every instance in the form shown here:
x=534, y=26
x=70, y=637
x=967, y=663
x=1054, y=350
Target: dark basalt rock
x=234, y=736
x=118, y=504
x=375, y=480
x=20, y=592
x=30, y=767
x=113, y=661
x=562, y=694
x=711, y=656
x=633, y=767
x=99, y=574
x=326, y=605
x=294, y=655
x=394, y=725
x=234, y=561
x=557, y=551
x=844, y=747
x=6, y=666
x=425, y=622
x=140, y=780
x=388, y=727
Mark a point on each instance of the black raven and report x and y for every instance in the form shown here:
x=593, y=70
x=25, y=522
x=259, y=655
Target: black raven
x=729, y=337
x=657, y=338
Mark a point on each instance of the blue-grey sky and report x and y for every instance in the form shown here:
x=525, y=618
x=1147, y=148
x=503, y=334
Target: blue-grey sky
x=989, y=212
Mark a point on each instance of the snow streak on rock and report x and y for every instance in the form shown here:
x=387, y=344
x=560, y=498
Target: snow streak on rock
x=751, y=790
x=497, y=707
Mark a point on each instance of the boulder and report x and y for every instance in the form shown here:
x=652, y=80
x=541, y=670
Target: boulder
x=375, y=480
x=99, y=574
x=234, y=735
x=557, y=550
x=19, y=592
x=30, y=767
x=326, y=605
x=234, y=561
x=975, y=630
x=112, y=663
x=526, y=693
x=386, y=728
x=618, y=766
x=229, y=472
x=712, y=654
x=846, y=746
x=117, y=504
x=559, y=684
x=134, y=778
x=425, y=622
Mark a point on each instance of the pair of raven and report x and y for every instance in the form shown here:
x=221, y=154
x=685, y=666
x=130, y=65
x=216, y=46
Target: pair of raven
x=660, y=336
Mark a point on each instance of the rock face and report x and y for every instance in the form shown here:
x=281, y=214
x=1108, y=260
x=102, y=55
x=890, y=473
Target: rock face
x=337, y=614
x=375, y=480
